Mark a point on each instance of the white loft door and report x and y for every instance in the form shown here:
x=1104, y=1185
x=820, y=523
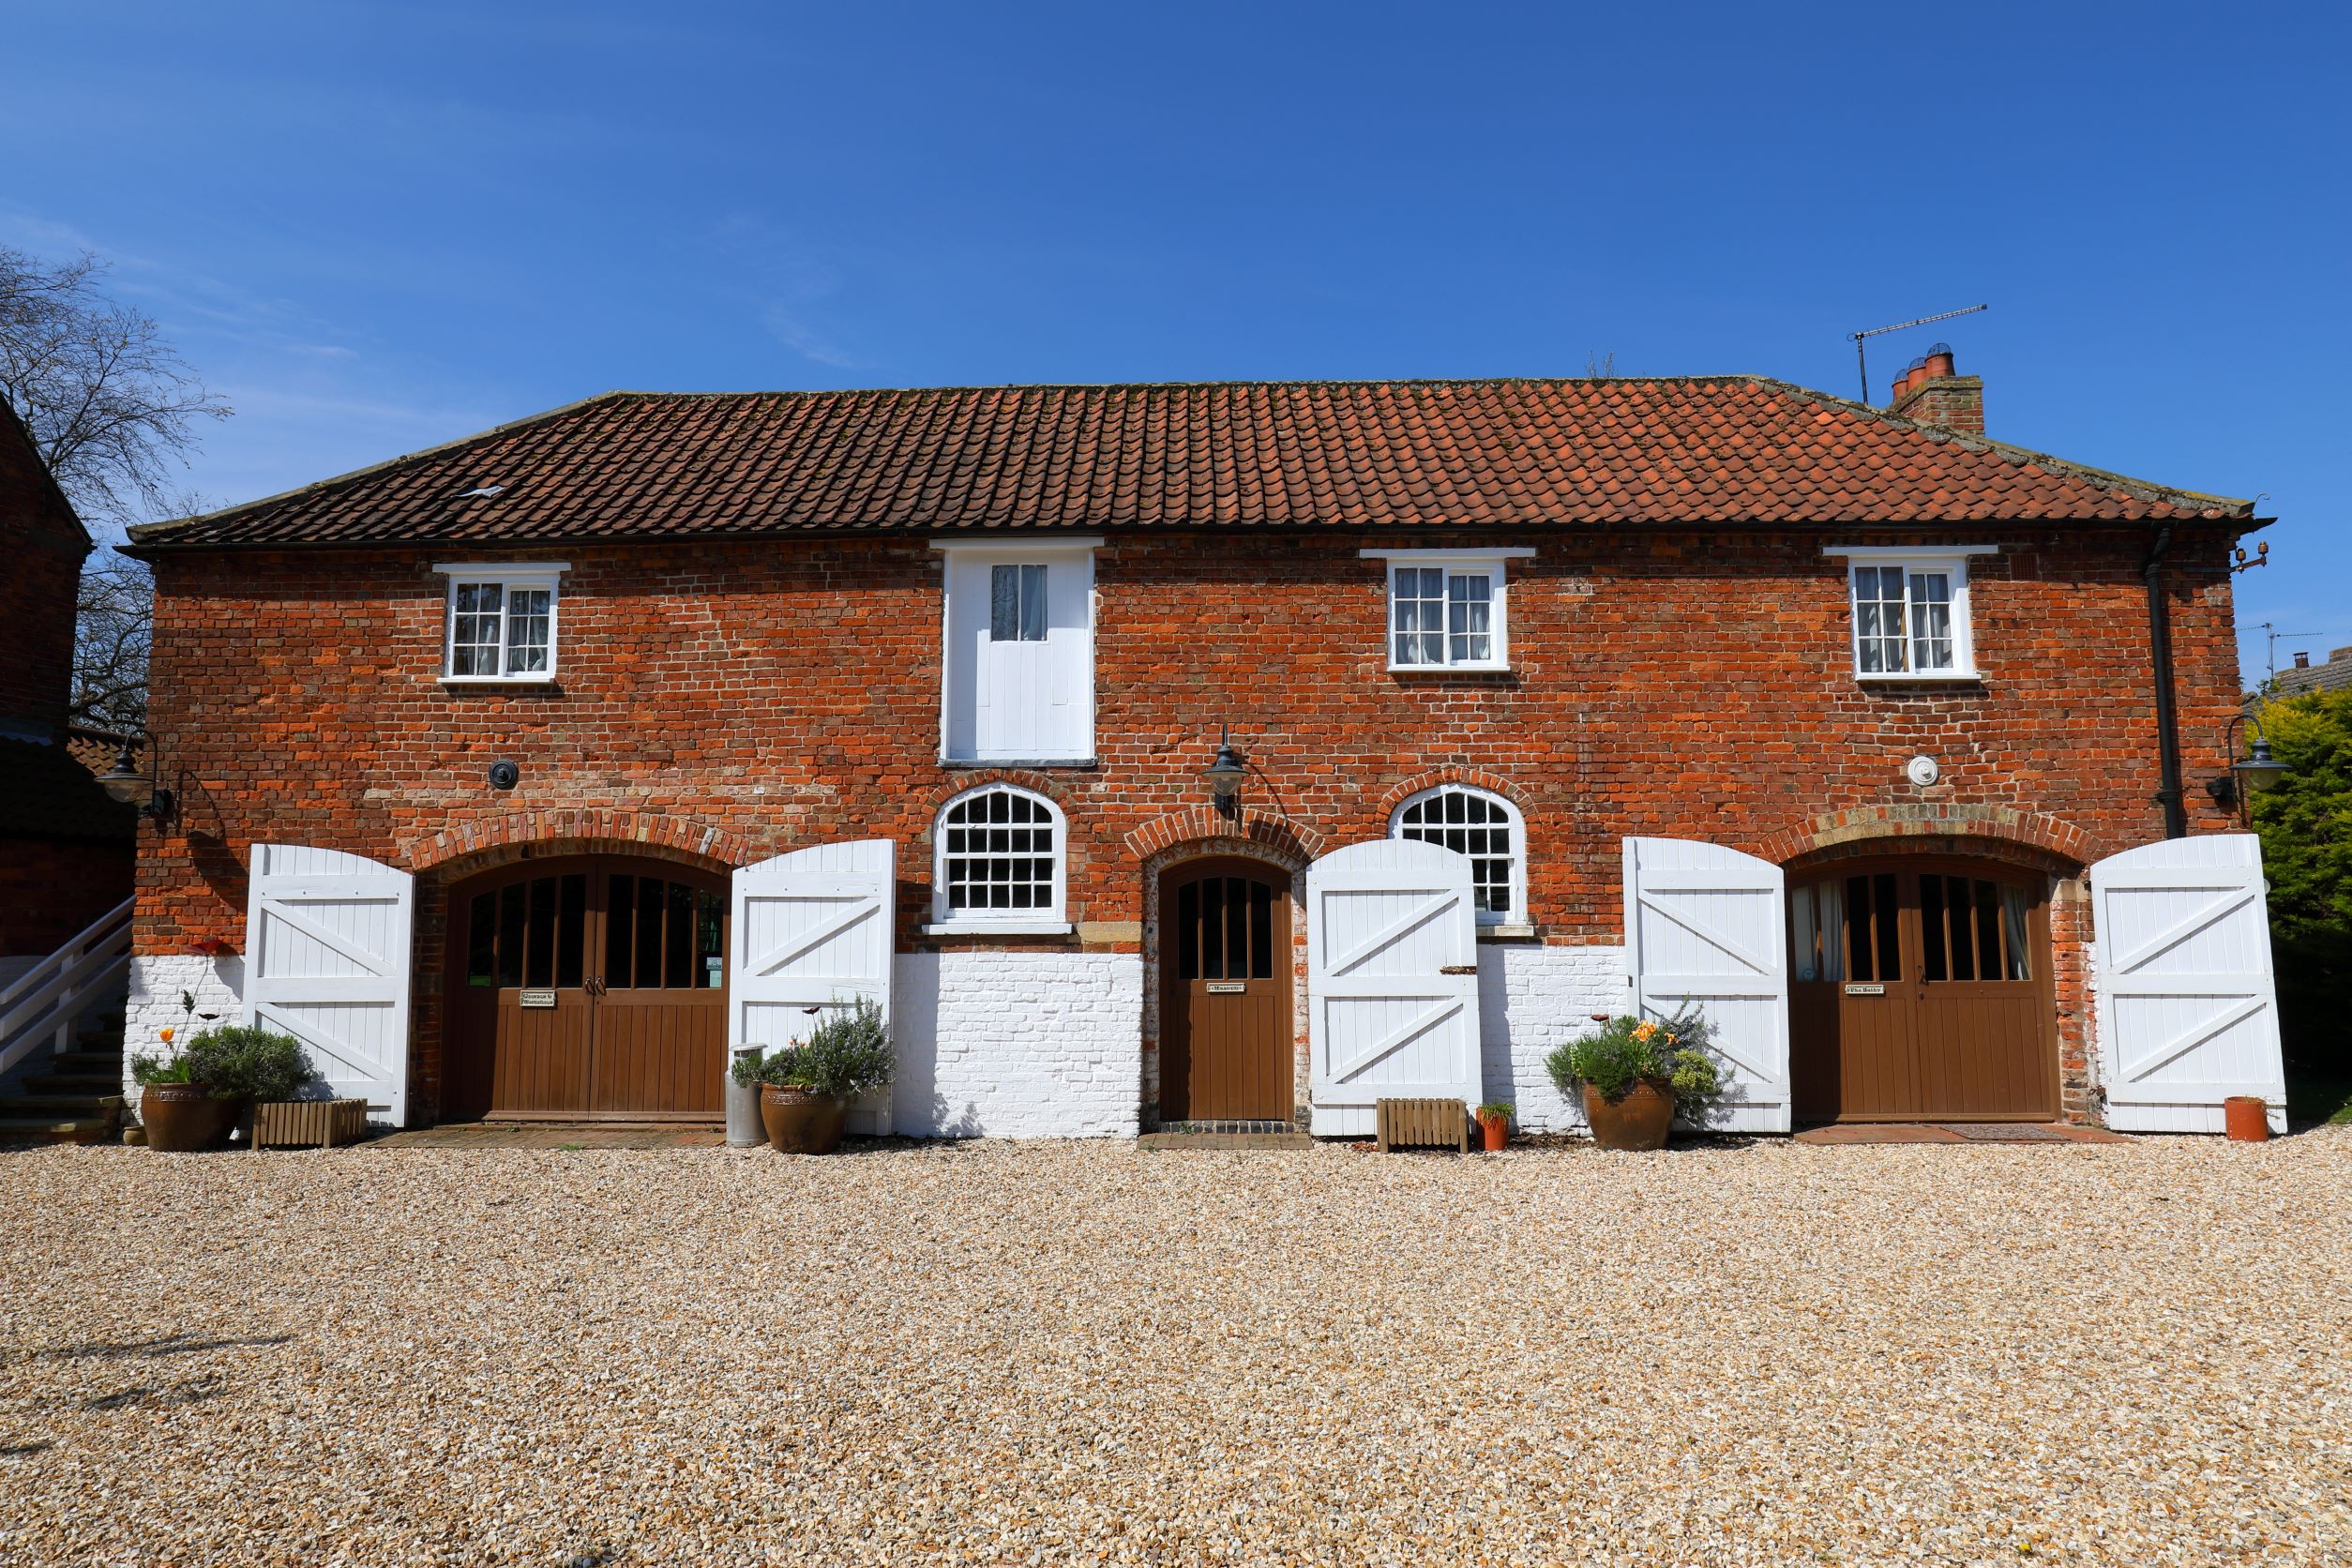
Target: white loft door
x=1021, y=655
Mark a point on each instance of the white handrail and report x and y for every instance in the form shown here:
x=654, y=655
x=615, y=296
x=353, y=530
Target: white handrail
x=48, y=1000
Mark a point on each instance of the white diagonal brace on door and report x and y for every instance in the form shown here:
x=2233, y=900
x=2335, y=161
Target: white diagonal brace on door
x=2181, y=930
x=324, y=1041
x=1702, y=930
x=1413, y=919
x=374, y=963
x=825, y=931
x=1403, y=1033
x=2193, y=1037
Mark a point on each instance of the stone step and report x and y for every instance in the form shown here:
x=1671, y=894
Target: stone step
x=74, y=1083
x=45, y=1129
x=54, y=1107
x=107, y=1062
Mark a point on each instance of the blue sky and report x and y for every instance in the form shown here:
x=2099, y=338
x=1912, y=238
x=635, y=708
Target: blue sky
x=377, y=227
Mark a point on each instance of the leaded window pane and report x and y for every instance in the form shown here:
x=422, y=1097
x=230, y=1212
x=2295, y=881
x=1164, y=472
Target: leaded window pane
x=999, y=852
x=1477, y=826
x=527, y=623
x=1419, y=615
x=1881, y=645
x=475, y=628
x=1469, y=624
x=1931, y=621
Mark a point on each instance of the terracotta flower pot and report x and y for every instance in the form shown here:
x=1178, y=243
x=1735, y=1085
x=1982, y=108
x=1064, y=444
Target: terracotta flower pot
x=1496, y=1131
x=1639, y=1119
x=799, y=1120
x=181, y=1118
x=2246, y=1118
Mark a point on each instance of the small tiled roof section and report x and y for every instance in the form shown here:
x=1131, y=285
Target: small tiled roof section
x=1452, y=453
x=45, y=792
x=2336, y=674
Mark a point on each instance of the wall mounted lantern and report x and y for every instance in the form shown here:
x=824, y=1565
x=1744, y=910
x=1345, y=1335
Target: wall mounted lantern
x=1225, y=777
x=131, y=786
x=2248, y=776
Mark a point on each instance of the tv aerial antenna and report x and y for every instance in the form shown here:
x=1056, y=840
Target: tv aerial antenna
x=1862, y=366
x=2277, y=636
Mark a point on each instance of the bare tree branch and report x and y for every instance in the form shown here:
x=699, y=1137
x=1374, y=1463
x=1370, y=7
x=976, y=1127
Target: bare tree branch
x=112, y=406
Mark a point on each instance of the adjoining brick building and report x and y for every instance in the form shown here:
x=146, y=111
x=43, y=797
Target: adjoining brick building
x=64, y=847
x=529, y=773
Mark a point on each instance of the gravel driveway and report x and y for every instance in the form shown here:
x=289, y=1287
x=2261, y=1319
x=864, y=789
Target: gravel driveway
x=1079, y=1352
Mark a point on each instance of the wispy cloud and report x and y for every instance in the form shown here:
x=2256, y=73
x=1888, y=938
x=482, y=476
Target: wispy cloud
x=791, y=284
x=795, y=334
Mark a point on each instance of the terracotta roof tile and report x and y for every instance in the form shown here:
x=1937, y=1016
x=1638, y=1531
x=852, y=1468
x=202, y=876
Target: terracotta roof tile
x=1731, y=449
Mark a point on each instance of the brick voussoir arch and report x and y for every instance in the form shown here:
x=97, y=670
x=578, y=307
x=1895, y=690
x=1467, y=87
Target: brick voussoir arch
x=1430, y=779
x=1195, y=824
x=936, y=798
x=2037, y=830
x=605, y=828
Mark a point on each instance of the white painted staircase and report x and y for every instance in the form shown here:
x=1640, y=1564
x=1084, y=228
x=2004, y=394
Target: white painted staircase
x=61, y=1039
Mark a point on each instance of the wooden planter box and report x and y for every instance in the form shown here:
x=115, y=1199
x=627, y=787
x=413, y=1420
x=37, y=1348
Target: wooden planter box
x=1425, y=1123
x=309, y=1124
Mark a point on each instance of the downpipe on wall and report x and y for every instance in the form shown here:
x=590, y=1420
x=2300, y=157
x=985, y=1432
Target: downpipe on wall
x=2160, y=650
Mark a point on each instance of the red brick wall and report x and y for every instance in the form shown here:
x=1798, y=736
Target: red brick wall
x=43, y=547
x=755, y=697
x=51, y=888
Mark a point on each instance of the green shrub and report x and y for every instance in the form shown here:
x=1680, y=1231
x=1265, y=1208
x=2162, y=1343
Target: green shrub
x=1670, y=1056
x=776, y=1066
x=1504, y=1108
x=246, y=1062
x=147, y=1067
x=848, y=1053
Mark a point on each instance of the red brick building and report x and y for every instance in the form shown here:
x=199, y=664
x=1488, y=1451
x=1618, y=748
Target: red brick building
x=65, y=848
x=504, y=740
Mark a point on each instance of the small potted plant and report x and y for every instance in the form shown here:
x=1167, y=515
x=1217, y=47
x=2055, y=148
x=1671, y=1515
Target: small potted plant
x=1494, y=1124
x=249, y=1065
x=1635, y=1075
x=177, y=1107
x=807, y=1087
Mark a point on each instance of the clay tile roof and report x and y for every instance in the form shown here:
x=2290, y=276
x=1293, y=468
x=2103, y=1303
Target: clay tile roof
x=1583, y=453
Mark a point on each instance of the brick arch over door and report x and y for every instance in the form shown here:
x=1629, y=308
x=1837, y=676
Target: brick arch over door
x=1164, y=840
x=2054, y=838
x=446, y=859
x=479, y=844
x=1287, y=856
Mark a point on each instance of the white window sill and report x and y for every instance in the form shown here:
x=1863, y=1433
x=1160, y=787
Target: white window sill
x=1000, y=928
x=548, y=679
x=1939, y=677
x=1487, y=669
x=1020, y=761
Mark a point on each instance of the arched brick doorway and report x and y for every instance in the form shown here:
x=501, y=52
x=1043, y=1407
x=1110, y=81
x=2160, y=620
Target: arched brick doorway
x=1226, y=1035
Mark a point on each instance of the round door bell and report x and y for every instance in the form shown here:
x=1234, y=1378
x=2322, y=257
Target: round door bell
x=1923, y=770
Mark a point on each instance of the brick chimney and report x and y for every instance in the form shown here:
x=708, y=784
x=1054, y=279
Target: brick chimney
x=1930, y=392
x=2302, y=661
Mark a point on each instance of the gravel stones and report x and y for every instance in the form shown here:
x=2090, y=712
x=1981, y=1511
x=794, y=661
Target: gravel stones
x=1015, y=1353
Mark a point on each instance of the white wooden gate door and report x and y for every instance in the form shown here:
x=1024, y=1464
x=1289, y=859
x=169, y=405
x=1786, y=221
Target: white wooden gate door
x=327, y=961
x=1392, y=980
x=2188, y=1013
x=813, y=930
x=1706, y=929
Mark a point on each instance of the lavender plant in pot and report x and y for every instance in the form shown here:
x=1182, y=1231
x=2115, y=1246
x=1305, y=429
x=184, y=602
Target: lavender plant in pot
x=807, y=1087
x=1635, y=1075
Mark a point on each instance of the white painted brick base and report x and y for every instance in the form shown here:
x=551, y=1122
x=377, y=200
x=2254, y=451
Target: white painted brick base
x=158, y=981
x=1018, y=1044
x=1531, y=1001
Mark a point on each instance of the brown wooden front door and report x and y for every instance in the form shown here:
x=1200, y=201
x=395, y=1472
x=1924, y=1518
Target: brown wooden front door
x=1920, y=992
x=587, y=988
x=1225, y=1008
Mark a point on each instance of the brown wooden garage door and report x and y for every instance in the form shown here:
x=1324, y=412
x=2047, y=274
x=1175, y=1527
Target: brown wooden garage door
x=1920, y=992
x=1225, y=1000
x=587, y=989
